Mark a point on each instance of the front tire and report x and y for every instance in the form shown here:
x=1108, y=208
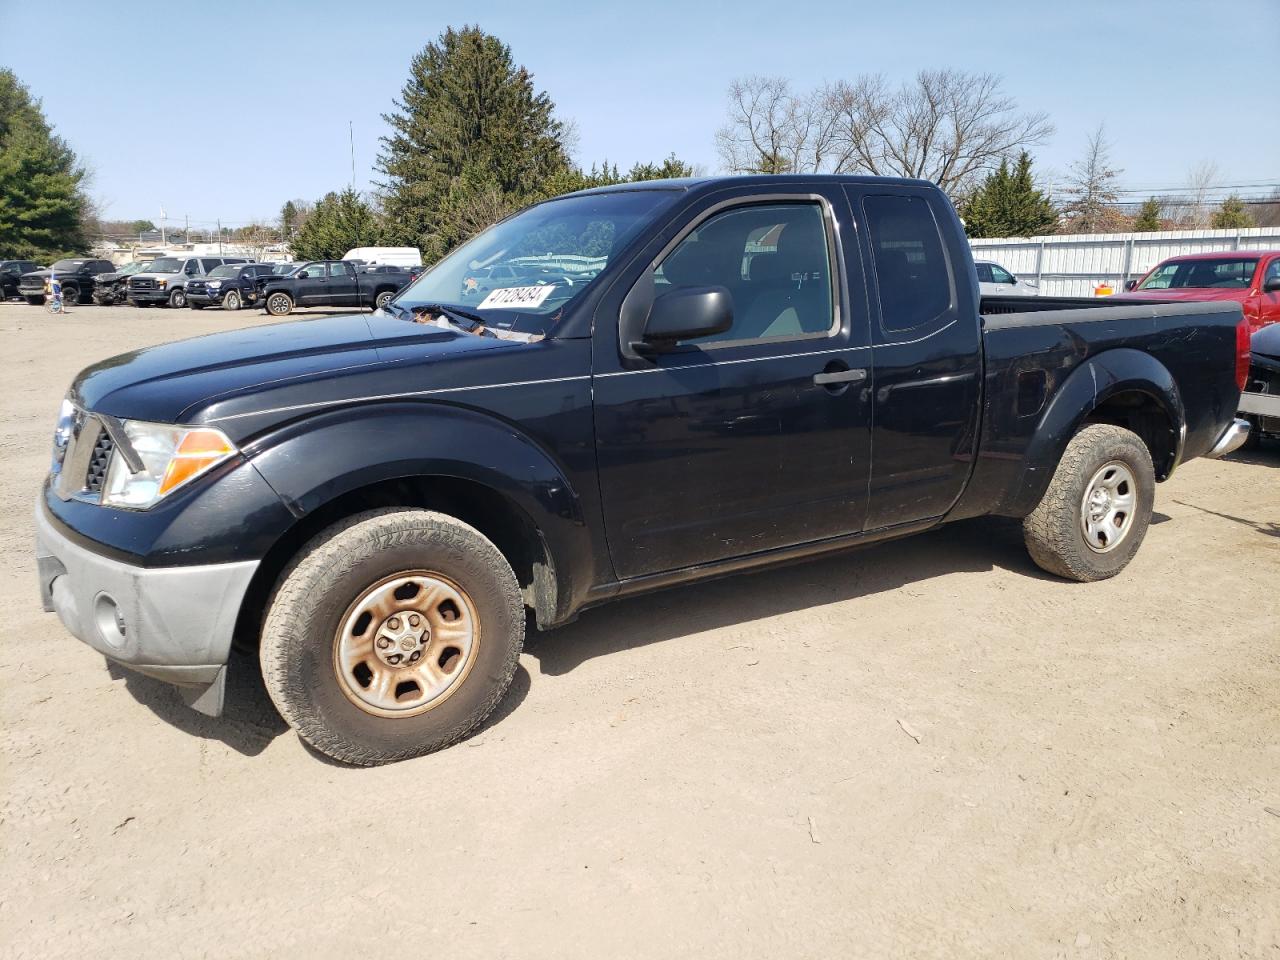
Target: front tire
x=392, y=634
x=231, y=301
x=177, y=299
x=279, y=305
x=1095, y=513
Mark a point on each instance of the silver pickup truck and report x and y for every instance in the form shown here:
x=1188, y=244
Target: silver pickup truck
x=166, y=282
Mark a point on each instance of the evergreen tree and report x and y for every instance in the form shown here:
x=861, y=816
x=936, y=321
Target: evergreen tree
x=42, y=201
x=338, y=223
x=467, y=116
x=672, y=168
x=1148, y=219
x=1232, y=215
x=1007, y=204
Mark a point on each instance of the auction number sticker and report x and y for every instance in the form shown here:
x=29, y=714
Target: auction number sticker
x=513, y=298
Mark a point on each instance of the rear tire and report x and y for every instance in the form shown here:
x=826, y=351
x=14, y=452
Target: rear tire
x=382, y=299
x=320, y=659
x=279, y=304
x=1092, y=519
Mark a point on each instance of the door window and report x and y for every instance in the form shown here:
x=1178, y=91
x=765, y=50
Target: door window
x=342, y=269
x=1273, y=272
x=912, y=276
x=985, y=274
x=774, y=260
x=1001, y=275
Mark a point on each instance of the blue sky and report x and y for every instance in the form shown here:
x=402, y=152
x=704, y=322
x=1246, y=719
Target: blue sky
x=227, y=109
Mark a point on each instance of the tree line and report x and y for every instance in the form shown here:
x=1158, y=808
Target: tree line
x=471, y=139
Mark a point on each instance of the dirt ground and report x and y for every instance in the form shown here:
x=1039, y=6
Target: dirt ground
x=724, y=770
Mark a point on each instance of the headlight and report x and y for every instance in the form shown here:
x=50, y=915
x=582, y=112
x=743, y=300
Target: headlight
x=214, y=284
x=171, y=457
x=162, y=284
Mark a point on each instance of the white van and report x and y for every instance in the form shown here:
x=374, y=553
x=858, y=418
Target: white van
x=385, y=256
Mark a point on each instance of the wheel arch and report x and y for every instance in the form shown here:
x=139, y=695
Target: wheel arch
x=1123, y=387
x=329, y=467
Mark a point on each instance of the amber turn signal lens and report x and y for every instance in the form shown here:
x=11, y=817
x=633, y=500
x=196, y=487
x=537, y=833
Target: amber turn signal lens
x=197, y=452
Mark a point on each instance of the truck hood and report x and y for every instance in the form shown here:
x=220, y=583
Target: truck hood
x=161, y=276
x=317, y=360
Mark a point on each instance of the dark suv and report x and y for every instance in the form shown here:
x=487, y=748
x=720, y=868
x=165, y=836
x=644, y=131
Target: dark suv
x=230, y=286
x=10, y=271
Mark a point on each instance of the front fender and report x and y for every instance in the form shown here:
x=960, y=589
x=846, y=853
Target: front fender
x=1086, y=388
x=313, y=461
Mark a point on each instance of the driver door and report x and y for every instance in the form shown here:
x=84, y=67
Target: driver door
x=738, y=443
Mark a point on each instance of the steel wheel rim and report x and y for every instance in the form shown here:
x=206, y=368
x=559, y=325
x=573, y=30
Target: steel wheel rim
x=1108, y=506
x=277, y=303
x=231, y=300
x=179, y=299
x=406, y=644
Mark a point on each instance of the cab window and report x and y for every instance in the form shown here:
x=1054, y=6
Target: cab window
x=1001, y=275
x=775, y=261
x=912, y=275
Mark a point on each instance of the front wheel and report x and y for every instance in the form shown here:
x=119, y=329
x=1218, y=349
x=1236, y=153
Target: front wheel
x=231, y=301
x=393, y=633
x=1091, y=520
x=177, y=299
x=279, y=304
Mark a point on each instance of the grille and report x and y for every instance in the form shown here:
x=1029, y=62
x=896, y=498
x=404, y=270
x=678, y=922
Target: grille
x=142, y=283
x=98, y=463
x=195, y=286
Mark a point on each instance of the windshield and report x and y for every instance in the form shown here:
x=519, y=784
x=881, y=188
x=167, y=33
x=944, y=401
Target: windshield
x=68, y=265
x=226, y=270
x=284, y=268
x=1227, y=273
x=166, y=265
x=129, y=269
x=520, y=273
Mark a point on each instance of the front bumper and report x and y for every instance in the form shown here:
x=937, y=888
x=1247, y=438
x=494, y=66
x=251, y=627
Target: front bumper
x=1232, y=439
x=149, y=296
x=207, y=298
x=171, y=623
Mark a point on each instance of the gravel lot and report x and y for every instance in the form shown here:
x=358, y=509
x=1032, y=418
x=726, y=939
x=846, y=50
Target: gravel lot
x=716, y=771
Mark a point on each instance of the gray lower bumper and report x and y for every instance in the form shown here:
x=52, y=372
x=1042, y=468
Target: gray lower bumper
x=1260, y=404
x=1232, y=439
x=171, y=623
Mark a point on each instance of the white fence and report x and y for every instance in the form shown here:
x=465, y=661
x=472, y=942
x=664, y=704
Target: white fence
x=1072, y=266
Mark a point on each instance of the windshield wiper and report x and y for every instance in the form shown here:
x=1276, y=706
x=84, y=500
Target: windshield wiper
x=470, y=321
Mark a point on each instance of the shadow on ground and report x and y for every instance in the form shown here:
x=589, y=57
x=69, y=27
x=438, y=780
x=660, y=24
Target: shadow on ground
x=249, y=719
x=967, y=547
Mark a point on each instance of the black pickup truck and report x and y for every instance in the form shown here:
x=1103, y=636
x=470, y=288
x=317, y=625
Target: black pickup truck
x=761, y=369
x=77, y=276
x=330, y=283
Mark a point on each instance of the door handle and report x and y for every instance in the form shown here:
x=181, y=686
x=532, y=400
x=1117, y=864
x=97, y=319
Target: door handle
x=827, y=378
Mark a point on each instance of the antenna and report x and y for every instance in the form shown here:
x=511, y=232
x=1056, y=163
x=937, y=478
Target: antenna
x=351, y=136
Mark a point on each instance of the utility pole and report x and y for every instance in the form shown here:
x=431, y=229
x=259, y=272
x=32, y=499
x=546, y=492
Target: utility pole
x=163, y=241
x=351, y=136
x=186, y=229
x=219, y=235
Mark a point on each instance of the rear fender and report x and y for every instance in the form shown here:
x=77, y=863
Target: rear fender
x=1087, y=388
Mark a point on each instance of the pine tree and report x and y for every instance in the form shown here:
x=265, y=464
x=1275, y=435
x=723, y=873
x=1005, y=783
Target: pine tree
x=1232, y=215
x=339, y=222
x=1148, y=219
x=42, y=201
x=1007, y=204
x=468, y=115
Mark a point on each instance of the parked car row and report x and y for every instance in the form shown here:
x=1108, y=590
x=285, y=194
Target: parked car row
x=200, y=281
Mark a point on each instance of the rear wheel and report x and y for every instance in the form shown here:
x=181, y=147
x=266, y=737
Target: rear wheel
x=279, y=304
x=382, y=299
x=394, y=633
x=1091, y=520
x=231, y=301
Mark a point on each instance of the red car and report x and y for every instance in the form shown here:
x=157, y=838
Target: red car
x=1249, y=277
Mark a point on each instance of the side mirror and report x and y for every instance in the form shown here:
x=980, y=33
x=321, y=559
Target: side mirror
x=1272, y=285
x=304, y=275
x=1130, y=285
x=685, y=313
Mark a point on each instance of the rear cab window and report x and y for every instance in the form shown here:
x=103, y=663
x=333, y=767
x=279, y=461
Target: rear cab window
x=912, y=275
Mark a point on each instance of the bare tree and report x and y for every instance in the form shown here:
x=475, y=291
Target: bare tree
x=1091, y=187
x=1197, y=210
x=947, y=126
x=770, y=129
